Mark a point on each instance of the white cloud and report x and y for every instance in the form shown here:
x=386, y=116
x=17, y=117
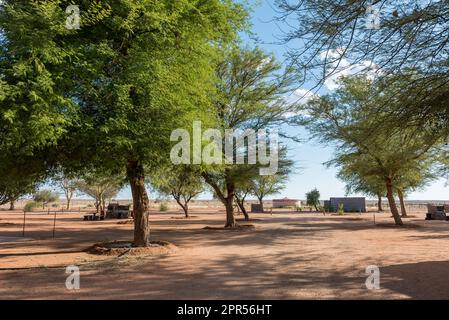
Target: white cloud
x=343, y=67
x=299, y=96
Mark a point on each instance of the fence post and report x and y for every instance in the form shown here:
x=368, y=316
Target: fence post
x=24, y=220
x=54, y=225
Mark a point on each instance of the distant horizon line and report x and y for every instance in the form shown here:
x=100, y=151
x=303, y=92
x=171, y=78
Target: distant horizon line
x=269, y=199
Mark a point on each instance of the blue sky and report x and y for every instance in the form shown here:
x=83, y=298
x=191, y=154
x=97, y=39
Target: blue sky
x=308, y=155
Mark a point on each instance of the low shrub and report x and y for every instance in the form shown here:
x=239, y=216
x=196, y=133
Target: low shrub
x=29, y=206
x=341, y=209
x=163, y=207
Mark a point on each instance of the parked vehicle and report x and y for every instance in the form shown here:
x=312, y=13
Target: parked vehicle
x=117, y=211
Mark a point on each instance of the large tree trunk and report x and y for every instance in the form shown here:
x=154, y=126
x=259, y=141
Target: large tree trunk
x=392, y=203
x=230, y=219
x=12, y=204
x=379, y=203
x=136, y=179
x=401, y=200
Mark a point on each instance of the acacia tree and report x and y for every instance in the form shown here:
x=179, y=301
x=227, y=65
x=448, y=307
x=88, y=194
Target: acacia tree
x=313, y=198
x=264, y=186
x=67, y=184
x=357, y=177
x=101, y=187
x=241, y=193
x=349, y=117
x=414, y=178
x=181, y=182
x=111, y=91
x=392, y=36
x=45, y=197
x=34, y=109
x=18, y=178
x=251, y=91
x=12, y=190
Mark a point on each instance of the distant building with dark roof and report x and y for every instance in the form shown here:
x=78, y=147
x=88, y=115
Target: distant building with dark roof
x=349, y=204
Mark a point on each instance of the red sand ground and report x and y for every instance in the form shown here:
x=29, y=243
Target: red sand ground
x=286, y=256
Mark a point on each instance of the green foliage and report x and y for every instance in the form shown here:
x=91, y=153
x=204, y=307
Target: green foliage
x=30, y=205
x=36, y=61
x=367, y=154
x=177, y=181
x=45, y=197
x=263, y=186
x=20, y=175
x=15, y=184
x=313, y=198
x=163, y=207
x=406, y=39
x=100, y=186
x=251, y=96
x=110, y=93
x=67, y=183
x=181, y=182
x=341, y=209
x=153, y=73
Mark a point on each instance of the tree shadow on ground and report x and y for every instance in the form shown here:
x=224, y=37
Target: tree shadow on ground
x=421, y=280
x=276, y=276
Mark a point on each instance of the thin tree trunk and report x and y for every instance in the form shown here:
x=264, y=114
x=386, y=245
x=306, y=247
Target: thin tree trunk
x=401, y=200
x=69, y=200
x=97, y=205
x=103, y=205
x=241, y=204
x=379, y=203
x=393, y=207
x=186, y=209
x=185, y=206
x=228, y=201
x=136, y=177
x=12, y=204
x=261, y=205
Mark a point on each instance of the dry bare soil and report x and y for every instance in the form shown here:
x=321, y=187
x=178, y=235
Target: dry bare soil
x=286, y=256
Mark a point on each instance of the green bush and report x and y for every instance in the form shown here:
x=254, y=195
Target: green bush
x=341, y=209
x=29, y=206
x=163, y=207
